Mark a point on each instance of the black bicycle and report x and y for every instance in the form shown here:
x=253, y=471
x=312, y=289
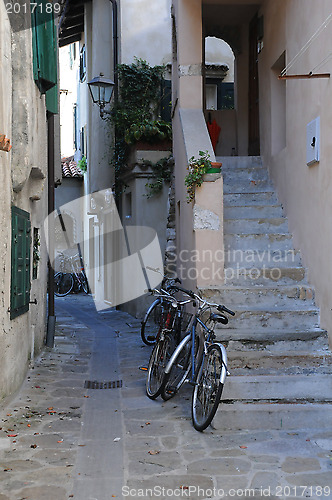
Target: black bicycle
x=74, y=280
x=155, y=314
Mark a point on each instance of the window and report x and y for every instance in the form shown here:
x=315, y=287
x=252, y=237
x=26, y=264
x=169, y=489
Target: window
x=83, y=142
x=82, y=64
x=75, y=126
x=166, y=100
x=219, y=94
x=36, y=253
x=20, y=263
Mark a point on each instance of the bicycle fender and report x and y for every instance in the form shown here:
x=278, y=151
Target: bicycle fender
x=157, y=301
x=224, y=366
x=176, y=352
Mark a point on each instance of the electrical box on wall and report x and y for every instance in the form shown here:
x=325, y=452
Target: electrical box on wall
x=313, y=141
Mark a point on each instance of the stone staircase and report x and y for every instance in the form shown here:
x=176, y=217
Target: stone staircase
x=277, y=351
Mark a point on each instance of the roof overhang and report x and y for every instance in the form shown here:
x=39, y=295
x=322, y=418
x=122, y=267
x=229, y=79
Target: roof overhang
x=71, y=22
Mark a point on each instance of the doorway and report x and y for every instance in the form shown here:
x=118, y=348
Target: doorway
x=253, y=139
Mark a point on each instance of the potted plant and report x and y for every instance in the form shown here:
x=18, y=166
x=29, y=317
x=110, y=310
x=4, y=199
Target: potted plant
x=150, y=131
x=198, y=167
x=82, y=164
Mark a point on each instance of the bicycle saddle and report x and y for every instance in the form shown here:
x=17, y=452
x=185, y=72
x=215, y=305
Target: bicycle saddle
x=219, y=318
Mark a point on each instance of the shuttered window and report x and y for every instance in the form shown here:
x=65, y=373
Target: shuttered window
x=44, y=46
x=20, y=262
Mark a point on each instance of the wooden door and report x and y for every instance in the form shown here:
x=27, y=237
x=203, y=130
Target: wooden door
x=254, y=143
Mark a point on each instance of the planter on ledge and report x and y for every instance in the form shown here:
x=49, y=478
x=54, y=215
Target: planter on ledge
x=215, y=168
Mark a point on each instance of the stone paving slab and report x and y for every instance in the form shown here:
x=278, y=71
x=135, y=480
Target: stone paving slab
x=59, y=440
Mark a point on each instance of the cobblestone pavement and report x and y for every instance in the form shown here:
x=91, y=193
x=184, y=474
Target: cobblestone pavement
x=61, y=440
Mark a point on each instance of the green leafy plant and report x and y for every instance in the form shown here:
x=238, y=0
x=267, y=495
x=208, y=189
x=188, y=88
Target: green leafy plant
x=148, y=130
x=136, y=114
x=82, y=164
x=162, y=170
x=197, y=168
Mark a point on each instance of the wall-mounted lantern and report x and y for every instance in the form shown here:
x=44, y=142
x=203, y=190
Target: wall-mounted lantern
x=101, y=90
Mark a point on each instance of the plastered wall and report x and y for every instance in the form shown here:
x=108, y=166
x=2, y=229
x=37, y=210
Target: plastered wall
x=23, y=174
x=286, y=109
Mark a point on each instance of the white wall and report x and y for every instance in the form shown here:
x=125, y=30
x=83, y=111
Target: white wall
x=146, y=31
x=304, y=191
x=69, y=77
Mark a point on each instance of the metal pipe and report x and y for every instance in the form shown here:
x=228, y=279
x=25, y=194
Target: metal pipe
x=50, y=160
x=115, y=47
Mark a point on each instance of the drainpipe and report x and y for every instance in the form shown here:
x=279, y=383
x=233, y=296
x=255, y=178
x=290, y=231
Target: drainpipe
x=115, y=46
x=50, y=160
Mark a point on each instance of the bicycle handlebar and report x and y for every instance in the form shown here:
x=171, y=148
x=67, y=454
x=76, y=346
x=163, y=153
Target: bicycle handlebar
x=226, y=310
x=184, y=290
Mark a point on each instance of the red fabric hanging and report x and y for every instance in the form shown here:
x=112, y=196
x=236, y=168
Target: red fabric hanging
x=214, y=131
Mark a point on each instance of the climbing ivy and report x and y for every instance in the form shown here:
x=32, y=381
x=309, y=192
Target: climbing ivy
x=162, y=170
x=135, y=115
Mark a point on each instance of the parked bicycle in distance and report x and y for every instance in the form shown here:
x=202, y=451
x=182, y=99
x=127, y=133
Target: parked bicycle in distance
x=71, y=275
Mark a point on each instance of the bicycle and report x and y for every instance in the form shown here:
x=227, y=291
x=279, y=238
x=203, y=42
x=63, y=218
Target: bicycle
x=64, y=281
x=152, y=321
x=168, y=337
x=204, y=359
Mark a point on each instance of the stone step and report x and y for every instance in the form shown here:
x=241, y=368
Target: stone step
x=245, y=175
x=268, y=334
x=250, y=199
x=269, y=416
x=270, y=259
x=262, y=275
x=271, y=242
x=273, y=319
x=312, y=388
x=256, y=226
x=253, y=212
x=247, y=186
x=264, y=296
x=234, y=162
x=264, y=361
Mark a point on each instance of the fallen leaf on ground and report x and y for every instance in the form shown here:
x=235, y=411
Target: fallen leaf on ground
x=147, y=423
x=116, y=439
x=12, y=435
x=154, y=452
x=243, y=447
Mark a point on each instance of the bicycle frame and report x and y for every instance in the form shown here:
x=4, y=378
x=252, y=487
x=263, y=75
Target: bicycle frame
x=191, y=337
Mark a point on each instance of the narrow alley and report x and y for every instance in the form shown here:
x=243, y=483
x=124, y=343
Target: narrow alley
x=82, y=427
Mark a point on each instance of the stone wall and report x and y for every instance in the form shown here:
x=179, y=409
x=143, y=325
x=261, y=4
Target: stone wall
x=23, y=178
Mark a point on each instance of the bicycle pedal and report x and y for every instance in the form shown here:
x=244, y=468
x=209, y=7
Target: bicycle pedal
x=143, y=368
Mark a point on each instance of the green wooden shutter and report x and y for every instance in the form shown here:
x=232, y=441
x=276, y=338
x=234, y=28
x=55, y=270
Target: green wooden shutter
x=52, y=100
x=20, y=262
x=44, y=46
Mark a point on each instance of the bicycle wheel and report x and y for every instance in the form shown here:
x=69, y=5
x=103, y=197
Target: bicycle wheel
x=208, y=388
x=63, y=284
x=151, y=323
x=159, y=358
x=84, y=282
